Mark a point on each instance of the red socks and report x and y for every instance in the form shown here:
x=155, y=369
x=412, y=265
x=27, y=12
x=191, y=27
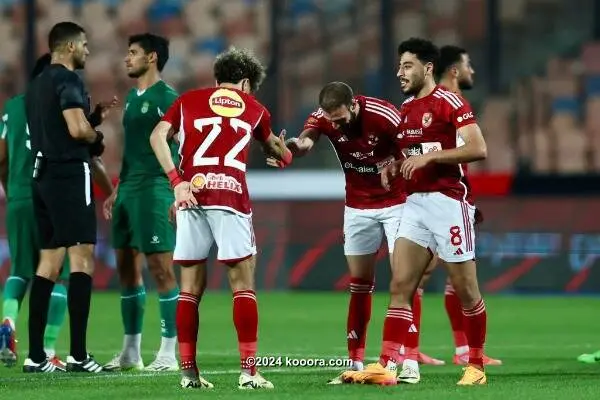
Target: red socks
x=359, y=315
x=186, y=319
x=411, y=347
x=455, y=314
x=245, y=319
x=475, y=329
x=395, y=328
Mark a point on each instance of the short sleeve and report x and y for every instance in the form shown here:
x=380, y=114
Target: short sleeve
x=4, y=125
x=461, y=113
x=168, y=99
x=314, y=120
x=263, y=128
x=70, y=91
x=173, y=114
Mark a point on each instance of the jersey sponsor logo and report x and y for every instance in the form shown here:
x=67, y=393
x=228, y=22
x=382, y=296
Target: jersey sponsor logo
x=427, y=119
x=212, y=181
x=145, y=107
x=361, y=156
x=422, y=148
x=464, y=117
x=384, y=163
x=227, y=103
x=363, y=169
x=410, y=133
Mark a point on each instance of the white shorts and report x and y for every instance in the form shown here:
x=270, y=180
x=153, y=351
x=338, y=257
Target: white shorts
x=434, y=219
x=364, y=229
x=198, y=229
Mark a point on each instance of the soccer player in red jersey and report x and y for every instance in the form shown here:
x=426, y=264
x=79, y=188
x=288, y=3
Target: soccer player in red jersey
x=362, y=131
x=438, y=134
x=215, y=126
x=455, y=74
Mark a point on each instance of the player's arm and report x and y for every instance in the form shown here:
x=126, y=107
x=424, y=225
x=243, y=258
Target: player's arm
x=159, y=138
x=4, y=152
x=474, y=148
x=101, y=177
x=72, y=105
x=301, y=145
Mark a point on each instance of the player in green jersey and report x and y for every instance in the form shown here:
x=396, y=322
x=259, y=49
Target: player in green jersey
x=140, y=209
x=16, y=169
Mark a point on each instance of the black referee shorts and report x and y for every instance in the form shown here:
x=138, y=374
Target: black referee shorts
x=64, y=207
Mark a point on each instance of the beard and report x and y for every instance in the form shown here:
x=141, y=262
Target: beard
x=415, y=86
x=346, y=127
x=79, y=63
x=136, y=73
x=465, y=84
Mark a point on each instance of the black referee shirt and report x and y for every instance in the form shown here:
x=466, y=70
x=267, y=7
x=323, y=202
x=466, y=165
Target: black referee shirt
x=54, y=90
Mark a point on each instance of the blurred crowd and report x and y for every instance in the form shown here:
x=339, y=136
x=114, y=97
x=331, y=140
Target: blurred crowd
x=540, y=110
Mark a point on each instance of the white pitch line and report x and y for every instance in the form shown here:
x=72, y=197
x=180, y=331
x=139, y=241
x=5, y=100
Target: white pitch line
x=58, y=376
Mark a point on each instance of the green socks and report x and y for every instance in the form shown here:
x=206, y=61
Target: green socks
x=133, y=303
x=56, y=316
x=168, y=307
x=14, y=291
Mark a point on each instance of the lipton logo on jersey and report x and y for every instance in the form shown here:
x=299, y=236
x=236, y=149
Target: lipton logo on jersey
x=464, y=117
x=427, y=119
x=226, y=103
x=212, y=181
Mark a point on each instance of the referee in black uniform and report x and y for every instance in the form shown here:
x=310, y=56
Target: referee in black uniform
x=63, y=142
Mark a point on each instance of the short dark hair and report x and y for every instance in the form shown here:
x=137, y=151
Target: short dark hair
x=334, y=95
x=40, y=65
x=449, y=55
x=153, y=44
x=63, y=32
x=234, y=65
x=424, y=49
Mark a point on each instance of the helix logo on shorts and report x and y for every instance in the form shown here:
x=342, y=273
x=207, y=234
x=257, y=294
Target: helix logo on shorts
x=227, y=103
x=212, y=181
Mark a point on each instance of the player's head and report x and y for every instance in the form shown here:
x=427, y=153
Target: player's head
x=416, y=65
x=69, y=39
x=336, y=99
x=146, y=51
x=40, y=65
x=239, y=68
x=455, y=61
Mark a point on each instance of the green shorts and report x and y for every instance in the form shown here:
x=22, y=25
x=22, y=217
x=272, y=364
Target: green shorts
x=23, y=240
x=140, y=220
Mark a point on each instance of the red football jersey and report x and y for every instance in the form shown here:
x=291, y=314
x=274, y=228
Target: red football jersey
x=215, y=126
x=430, y=124
x=364, y=151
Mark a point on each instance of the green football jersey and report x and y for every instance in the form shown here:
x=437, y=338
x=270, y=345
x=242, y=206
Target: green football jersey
x=143, y=111
x=14, y=129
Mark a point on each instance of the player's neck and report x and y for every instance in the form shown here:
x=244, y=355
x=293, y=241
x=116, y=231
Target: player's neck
x=426, y=90
x=235, y=86
x=60, y=59
x=147, y=80
x=451, y=85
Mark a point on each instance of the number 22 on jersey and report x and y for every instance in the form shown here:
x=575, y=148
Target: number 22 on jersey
x=216, y=128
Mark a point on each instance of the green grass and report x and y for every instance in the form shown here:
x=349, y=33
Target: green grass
x=537, y=338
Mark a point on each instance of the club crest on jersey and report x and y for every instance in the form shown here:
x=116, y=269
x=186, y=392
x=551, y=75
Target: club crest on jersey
x=427, y=119
x=227, y=103
x=145, y=107
x=212, y=181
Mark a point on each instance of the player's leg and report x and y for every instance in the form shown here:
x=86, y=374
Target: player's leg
x=410, y=259
x=56, y=316
x=52, y=257
x=234, y=236
x=129, y=263
x=156, y=239
x=452, y=222
x=363, y=235
x=194, y=240
x=24, y=255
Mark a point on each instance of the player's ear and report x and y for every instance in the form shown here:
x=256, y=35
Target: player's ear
x=246, y=87
x=153, y=57
x=429, y=69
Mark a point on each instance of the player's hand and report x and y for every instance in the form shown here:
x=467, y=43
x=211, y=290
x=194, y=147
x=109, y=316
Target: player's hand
x=108, y=205
x=173, y=213
x=413, y=163
x=184, y=196
x=103, y=108
x=388, y=173
x=287, y=154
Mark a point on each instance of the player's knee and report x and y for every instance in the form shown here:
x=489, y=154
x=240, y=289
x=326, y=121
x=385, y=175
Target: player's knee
x=161, y=269
x=467, y=292
x=241, y=274
x=401, y=291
